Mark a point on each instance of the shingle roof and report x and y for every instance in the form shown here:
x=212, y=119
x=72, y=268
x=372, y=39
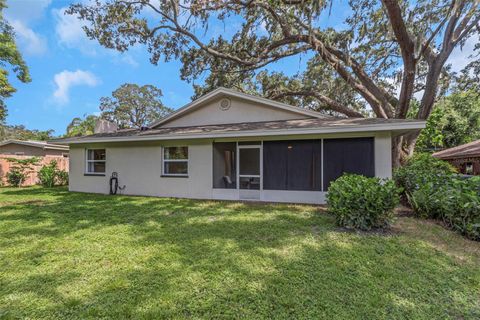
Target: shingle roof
x=263, y=127
x=471, y=149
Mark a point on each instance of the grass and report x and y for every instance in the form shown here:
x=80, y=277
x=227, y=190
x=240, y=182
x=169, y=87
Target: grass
x=69, y=255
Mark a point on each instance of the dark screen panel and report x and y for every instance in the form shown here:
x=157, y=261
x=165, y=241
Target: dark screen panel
x=275, y=165
x=304, y=165
x=352, y=155
x=292, y=165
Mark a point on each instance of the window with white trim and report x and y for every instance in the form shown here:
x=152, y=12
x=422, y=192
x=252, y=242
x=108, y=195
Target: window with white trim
x=95, y=162
x=175, y=161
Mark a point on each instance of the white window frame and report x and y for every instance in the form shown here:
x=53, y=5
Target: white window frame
x=175, y=160
x=87, y=161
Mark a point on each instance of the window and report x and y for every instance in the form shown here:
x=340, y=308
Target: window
x=19, y=153
x=224, y=171
x=96, y=159
x=175, y=161
x=469, y=168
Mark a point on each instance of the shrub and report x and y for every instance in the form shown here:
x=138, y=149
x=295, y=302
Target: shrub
x=47, y=175
x=363, y=203
x=15, y=177
x=421, y=169
x=62, y=177
x=455, y=201
x=19, y=170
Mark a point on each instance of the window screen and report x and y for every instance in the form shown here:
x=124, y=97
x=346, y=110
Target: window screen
x=96, y=159
x=292, y=165
x=175, y=161
x=224, y=161
x=352, y=155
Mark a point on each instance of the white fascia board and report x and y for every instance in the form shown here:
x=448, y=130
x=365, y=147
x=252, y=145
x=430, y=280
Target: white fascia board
x=236, y=94
x=256, y=133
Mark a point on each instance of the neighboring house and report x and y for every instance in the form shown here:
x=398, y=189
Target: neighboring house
x=230, y=145
x=466, y=157
x=32, y=148
x=46, y=152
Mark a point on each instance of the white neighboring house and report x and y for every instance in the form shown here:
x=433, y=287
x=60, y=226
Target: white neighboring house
x=233, y=146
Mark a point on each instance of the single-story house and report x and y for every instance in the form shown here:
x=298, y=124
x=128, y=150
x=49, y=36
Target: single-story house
x=234, y=146
x=466, y=157
x=32, y=148
x=20, y=149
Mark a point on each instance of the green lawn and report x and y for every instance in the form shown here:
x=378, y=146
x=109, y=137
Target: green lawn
x=70, y=255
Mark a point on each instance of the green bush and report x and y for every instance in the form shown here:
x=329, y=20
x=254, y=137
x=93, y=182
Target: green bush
x=420, y=170
x=49, y=175
x=363, y=203
x=15, y=177
x=19, y=170
x=62, y=177
x=455, y=201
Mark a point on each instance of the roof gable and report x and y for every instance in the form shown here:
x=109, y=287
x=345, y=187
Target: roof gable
x=208, y=110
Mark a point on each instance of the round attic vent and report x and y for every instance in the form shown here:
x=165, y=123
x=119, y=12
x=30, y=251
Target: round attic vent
x=225, y=104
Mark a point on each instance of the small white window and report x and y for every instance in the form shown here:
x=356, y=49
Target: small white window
x=96, y=160
x=175, y=161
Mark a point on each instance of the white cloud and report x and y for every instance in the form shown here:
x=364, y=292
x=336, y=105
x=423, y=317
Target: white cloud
x=67, y=79
x=70, y=33
x=31, y=42
x=26, y=10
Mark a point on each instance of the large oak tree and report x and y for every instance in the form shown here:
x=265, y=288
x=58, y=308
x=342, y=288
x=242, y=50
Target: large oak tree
x=388, y=50
x=133, y=106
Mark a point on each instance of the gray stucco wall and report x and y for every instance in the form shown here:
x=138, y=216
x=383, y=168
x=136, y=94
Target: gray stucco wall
x=239, y=111
x=139, y=168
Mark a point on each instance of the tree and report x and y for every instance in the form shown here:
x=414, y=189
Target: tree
x=133, y=106
x=20, y=132
x=81, y=127
x=455, y=120
x=386, y=45
x=9, y=56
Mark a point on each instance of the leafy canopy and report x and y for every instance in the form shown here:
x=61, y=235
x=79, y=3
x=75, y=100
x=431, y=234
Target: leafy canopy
x=81, y=127
x=11, y=58
x=133, y=106
x=386, y=50
x=455, y=120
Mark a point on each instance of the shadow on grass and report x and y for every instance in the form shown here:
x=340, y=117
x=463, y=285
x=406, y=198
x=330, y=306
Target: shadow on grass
x=91, y=256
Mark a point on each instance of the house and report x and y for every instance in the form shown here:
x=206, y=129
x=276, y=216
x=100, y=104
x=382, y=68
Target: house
x=466, y=157
x=230, y=145
x=46, y=152
x=32, y=148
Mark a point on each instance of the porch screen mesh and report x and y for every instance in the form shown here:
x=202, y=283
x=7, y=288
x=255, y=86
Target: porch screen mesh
x=224, y=162
x=292, y=165
x=352, y=155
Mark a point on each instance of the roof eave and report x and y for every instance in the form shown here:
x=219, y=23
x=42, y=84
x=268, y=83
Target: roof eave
x=396, y=129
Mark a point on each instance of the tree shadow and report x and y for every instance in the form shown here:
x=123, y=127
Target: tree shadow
x=137, y=257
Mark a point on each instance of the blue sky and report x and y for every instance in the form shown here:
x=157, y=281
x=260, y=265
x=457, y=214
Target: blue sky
x=70, y=72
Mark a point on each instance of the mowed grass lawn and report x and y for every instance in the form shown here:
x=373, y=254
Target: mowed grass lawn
x=70, y=255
